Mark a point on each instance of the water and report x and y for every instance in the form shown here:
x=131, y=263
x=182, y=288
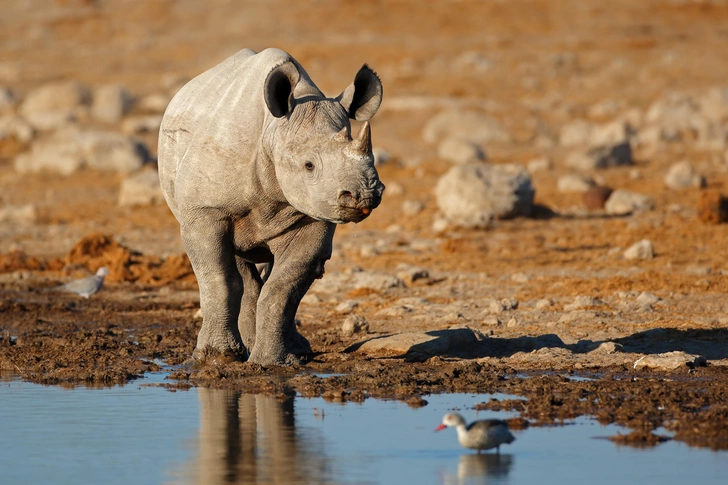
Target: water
x=148, y=435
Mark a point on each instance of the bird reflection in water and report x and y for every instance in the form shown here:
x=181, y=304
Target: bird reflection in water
x=479, y=468
x=252, y=439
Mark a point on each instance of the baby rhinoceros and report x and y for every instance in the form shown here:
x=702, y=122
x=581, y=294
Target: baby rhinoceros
x=258, y=167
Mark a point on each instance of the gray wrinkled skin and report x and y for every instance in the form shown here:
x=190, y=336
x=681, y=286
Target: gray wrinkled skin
x=258, y=167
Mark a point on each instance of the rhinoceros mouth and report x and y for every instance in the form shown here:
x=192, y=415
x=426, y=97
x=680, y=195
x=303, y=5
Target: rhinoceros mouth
x=353, y=214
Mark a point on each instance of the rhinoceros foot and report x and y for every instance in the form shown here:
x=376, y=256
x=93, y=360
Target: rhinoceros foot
x=295, y=351
x=212, y=356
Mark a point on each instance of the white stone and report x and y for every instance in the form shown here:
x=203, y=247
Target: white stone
x=381, y=156
x=600, y=157
x=460, y=151
x=375, y=281
x=8, y=100
x=24, y=214
x=623, y=202
x=474, y=126
x=647, y=299
x=640, y=250
x=354, y=324
x=682, y=175
x=409, y=274
x=69, y=149
x=15, y=126
x=581, y=301
x=347, y=306
x=544, y=304
x=473, y=194
x=575, y=133
x=421, y=346
x=53, y=105
x=669, y=361
x=111, y=103
x=412, y=207
x=141, y=188
x=541, y=164
x=141, y=124
x=154, y=103
x=610, y=134
x=574, y=183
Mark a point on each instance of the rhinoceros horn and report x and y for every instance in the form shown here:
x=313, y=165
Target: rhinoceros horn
x=363, y=141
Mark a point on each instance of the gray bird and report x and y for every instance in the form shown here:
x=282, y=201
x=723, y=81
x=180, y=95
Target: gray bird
x=85, y=286
x=479, y=435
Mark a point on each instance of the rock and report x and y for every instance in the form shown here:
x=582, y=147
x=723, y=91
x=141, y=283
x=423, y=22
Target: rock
x=53, y=105
x=141, y=188
x=669, y=361
x=422, y=346
x=8, y=100
x=460, y=151
x=615, y=133
x=573, y=182
x=473, y=126
x=640, y=250
x=347, y=306
x=354, y=324
x=544, y=303
x=473, y=194
x=539, y=165
x=410, y=274
x=520, y=277
x=601, y=157
x=394, y=188
x=375, y=281
x=712, y=207
x=575, y=133
x=381, y=156
x=69, y=149
x=499, y=306
x=412, y=207
x=645, y=299
x=394, y=311
x=141, y=124
x=111, y=103
x=154, y=103
x=608, y=348
x=674, y=115
x=623, y=202
x=596, y=197
x=581, y=301
x=17, y=127
x=23, y=214
x=682, y=175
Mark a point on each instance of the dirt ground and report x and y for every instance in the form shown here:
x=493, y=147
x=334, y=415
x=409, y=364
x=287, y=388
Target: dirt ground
x=542, y=64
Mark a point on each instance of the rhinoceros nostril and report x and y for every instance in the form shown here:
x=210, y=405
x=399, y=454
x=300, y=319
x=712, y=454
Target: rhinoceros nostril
x=345, y=193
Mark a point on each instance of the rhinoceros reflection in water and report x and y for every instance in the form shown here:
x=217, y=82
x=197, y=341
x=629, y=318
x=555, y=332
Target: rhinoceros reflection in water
x=250, y=439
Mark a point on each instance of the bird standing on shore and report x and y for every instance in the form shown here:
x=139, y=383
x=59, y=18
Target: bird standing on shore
x=478, y=435
x=85, y=287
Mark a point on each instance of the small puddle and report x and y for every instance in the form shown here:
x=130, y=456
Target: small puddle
x=144, y=434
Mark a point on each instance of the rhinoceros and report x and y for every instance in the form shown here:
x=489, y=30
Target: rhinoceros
x=258, y=167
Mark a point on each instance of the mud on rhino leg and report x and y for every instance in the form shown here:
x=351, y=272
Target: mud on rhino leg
x=252, y=283
x=221, y=288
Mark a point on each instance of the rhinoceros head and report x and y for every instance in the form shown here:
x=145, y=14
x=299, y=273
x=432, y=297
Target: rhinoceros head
x=321, y=170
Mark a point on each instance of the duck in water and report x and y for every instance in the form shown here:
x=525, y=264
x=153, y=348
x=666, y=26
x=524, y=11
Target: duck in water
x=478, y=435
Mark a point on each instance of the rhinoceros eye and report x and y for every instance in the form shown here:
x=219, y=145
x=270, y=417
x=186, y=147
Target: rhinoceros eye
x=309, y=166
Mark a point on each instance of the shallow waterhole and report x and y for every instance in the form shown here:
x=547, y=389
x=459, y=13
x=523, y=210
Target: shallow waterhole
x=144, y=434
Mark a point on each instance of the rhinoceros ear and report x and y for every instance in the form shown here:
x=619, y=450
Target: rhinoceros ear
x=362, y=97
x=279, y=87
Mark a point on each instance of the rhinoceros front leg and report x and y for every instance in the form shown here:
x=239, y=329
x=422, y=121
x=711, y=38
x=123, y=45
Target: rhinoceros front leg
x=210, y=249
x=299, y=260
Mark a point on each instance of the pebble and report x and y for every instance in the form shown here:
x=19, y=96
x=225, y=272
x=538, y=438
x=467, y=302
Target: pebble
x=141, y=188
x=460, y=151
x=623, y=202
x=473, y=126
x=541, y=164
x=19, y=214
x=111, y=103
x=601, y=157
x=354, y=324
x=669, y=361
x=596, y=197
x=409, y=274
x=54, y=104
x=647, y=299
x=544, y=304
x=412, y=207
x=682, y=175
x=640, y=250
x=347, y=306
x=581, y=301
x=572, y=182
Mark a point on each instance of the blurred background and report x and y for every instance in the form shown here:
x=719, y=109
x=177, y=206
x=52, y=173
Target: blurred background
x=559, y=87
